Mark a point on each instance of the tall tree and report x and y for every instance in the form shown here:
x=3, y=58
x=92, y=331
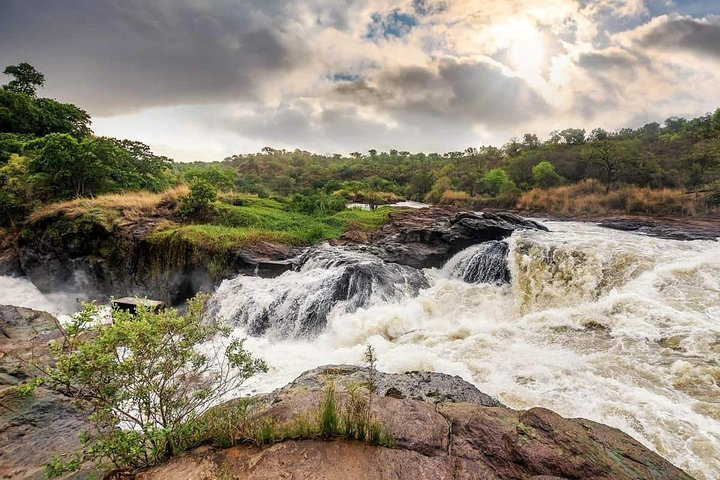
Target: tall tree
x=27, y=78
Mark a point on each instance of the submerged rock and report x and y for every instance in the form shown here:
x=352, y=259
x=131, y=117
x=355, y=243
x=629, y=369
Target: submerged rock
x=444, y=428
x=428, y=237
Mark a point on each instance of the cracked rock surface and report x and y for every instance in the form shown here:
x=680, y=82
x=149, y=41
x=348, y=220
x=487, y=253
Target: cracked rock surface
x=444, y=428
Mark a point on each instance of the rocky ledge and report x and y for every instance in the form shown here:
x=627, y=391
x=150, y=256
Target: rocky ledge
x=671, y=228
x=427, y=237
x=444, y=428
x=86, y=256
x=34, y=427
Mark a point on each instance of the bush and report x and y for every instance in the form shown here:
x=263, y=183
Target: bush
x=145, y=381
x=496, y=182
x=545, y=176
x=198, y=203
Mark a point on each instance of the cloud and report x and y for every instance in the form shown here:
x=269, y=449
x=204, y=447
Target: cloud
x=471, y=91
x=344, y=75
x=121, y=55
x=700, y=35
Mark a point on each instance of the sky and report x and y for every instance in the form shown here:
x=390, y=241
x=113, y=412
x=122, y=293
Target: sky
x=205, y=79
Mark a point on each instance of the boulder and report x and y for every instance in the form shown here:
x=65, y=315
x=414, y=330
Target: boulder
x=428, y=237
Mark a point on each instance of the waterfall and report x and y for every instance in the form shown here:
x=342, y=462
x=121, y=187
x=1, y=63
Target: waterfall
x=484, y=263
x=298, y=303
x=611, y=326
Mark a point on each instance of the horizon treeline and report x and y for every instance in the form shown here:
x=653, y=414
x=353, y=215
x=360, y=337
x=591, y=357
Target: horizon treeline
x=49, y=153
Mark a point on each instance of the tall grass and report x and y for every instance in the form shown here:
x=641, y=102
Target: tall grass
x=130, y=205
x=590, y=198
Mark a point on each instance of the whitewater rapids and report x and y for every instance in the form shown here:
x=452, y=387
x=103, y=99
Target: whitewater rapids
x=611, y=326
x=615, y=327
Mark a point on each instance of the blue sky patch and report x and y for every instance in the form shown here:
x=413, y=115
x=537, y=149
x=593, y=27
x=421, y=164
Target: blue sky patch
x=395, y=24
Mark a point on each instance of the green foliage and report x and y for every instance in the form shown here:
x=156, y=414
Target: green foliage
x=145, y=380
x=16, y=194
x=495, y=182
x=198, y=203
x=545, y=176
x=318, y=204
x=222, y=178
x=329, y=415
x=57, y=466
x=26, y=79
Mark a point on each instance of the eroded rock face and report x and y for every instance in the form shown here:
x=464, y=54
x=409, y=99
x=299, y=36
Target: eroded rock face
x=428, y=237
x=84, y=256
x=35, y=427
x=444, y=428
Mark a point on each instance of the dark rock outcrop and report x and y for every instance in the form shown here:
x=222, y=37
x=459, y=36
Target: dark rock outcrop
x=331, y=277
x=88, y=257
x=459, y=434
x=670, y=228
x=428, y=237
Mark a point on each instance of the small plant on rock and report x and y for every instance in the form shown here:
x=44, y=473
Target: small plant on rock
x=146, y=381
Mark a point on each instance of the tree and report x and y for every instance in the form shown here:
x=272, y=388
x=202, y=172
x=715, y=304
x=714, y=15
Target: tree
x=58, y=169
x=27, y=79
x=145, y=380
x=603, y=155
x=545, y=176
x=221, y=178
x=441, y=185
x=199, y=201
x=419, y=185
x=495, y=182
x=16, y=200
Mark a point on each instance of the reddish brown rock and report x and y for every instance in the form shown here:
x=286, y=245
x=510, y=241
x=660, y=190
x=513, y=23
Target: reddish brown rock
x=444, y=440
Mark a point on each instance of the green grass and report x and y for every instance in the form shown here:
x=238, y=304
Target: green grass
x=267, y=220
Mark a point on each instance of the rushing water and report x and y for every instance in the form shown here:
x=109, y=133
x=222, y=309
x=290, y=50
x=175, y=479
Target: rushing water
x=595, y=323
x=607, y=325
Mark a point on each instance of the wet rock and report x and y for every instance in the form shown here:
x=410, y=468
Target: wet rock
x=428, y=237
x=33, y=427
x=87, y=257
x=671, y=228
x=299, y=303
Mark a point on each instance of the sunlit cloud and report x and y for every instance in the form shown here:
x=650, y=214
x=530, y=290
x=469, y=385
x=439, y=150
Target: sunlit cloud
x=200, y=80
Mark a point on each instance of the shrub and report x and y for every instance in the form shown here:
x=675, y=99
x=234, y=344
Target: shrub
x=496, y=182
x=545, y=176
x=145, y=381
x=329, y=417
x=199, y=201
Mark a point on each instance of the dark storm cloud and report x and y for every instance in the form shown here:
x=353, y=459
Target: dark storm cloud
x=699, y=35
x=121, y=55
x=477, y=92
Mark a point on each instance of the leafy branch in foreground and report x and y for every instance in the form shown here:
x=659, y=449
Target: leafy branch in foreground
x=146, y=378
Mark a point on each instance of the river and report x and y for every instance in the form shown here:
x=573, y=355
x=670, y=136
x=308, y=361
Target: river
x=611, y=326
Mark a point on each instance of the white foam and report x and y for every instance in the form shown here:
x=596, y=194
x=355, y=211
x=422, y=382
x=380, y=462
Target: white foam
x=21, y=292
x=632, y=341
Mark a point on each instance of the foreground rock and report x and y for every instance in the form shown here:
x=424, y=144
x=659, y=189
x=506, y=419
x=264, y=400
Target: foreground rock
x=428, y=237
x=35, y=427
x=444, y=428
